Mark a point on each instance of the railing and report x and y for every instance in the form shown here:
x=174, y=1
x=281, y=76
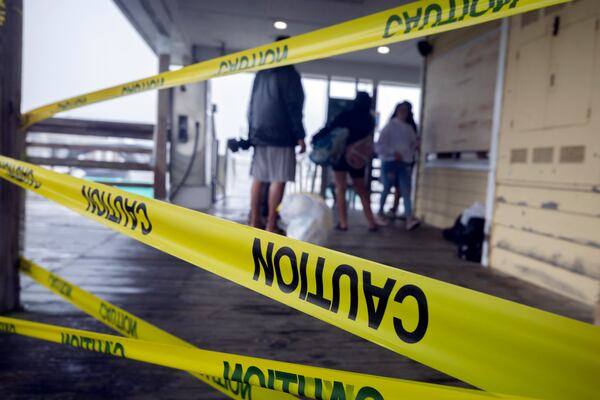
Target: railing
x=92, y=145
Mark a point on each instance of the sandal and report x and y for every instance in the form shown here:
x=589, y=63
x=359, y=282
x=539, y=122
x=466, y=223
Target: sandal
x=338, y=227
x=411, y=226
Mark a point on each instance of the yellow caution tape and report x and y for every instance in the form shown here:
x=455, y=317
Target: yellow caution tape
x=2, y=12
x=241, y=372
x=136, y=328
x=491, y=343
x=406, y=22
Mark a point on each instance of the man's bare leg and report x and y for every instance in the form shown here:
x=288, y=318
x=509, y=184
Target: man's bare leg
x=275, y=196
x=255, y=201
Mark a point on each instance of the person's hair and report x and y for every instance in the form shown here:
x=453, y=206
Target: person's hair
x=410, y=118
x=362, y=101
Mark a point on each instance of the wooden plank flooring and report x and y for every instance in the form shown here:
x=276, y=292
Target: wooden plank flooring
x=208, y=311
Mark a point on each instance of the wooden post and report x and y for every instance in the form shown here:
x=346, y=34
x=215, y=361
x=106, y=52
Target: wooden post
x=12, y=145
x=160, y=135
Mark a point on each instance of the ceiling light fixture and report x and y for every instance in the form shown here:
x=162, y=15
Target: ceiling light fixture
x=383, y=50
x=281, y=25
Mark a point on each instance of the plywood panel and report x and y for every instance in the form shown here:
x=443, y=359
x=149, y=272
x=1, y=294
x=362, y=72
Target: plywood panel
x=460, y=91
x=576, y=228
x=577, y=258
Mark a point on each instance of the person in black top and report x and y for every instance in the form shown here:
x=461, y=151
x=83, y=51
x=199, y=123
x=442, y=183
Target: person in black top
x=360, y=124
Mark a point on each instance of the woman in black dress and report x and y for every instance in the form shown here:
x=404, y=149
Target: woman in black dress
x=360, y=123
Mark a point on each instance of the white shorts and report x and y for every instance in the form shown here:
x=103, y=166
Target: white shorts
x=273, y=164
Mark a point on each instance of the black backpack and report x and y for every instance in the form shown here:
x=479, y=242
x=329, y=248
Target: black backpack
x=468, y=239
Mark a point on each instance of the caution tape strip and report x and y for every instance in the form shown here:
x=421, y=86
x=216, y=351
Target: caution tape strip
x=136, y=328
x=402, y=23
x=241, y=372
x=491, y=343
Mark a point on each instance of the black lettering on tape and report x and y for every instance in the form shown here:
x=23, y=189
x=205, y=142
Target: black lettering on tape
x=270, y=56
x=475, y=3
x=392, y=20
x=412, y=22
x=91, y=344
x=253, y=372
x=318, y=298
x=271, y=266
x=419, y=332
x=438, y=18
x=303, y=277
x=451, y=14
x=350, y=272
x=20, y=174
x=259, y=261
x=271, y=379
x=376, y=312
x=7, y=327
x=293, y=284
x=472, y=8
x=145, y=223
x=60, y=285
x=368, y=393
x=118, y=209
x=286, y=379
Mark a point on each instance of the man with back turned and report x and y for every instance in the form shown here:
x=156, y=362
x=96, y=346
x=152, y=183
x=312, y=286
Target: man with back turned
x=276, y=128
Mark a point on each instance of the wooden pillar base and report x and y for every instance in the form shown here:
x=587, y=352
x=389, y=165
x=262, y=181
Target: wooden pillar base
x=12, y=144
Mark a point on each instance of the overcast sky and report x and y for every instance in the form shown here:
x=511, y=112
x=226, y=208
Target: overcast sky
x=76, y=46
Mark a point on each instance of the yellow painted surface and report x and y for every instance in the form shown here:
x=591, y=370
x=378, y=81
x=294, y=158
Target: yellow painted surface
x=464, y=62
x=567, y=283
x=546, y=226
x=444, y=193
x=571, y=256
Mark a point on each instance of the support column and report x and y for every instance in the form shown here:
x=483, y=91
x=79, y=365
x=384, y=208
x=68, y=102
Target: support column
x=11, y=145
x=160, y=134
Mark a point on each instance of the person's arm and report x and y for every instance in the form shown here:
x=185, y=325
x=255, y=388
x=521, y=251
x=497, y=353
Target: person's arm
x=251, y=102
x=293, y=97
x=250, y=107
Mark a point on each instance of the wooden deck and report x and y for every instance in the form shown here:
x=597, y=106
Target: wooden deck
x=208, y=311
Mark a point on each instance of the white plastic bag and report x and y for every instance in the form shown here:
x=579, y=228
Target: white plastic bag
x=306, y=217
x=477, y=210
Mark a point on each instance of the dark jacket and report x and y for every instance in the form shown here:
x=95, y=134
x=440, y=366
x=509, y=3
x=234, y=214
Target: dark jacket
x=275, y=112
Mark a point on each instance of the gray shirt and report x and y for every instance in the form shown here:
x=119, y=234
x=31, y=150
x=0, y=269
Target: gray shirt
x=397, y=136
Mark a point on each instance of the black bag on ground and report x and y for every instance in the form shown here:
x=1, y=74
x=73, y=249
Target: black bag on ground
x=453, y=233
x=470, y=243
x=468, y=239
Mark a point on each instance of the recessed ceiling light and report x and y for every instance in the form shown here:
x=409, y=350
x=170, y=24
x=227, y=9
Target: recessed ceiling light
x=383, y=50
x=281, y=25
